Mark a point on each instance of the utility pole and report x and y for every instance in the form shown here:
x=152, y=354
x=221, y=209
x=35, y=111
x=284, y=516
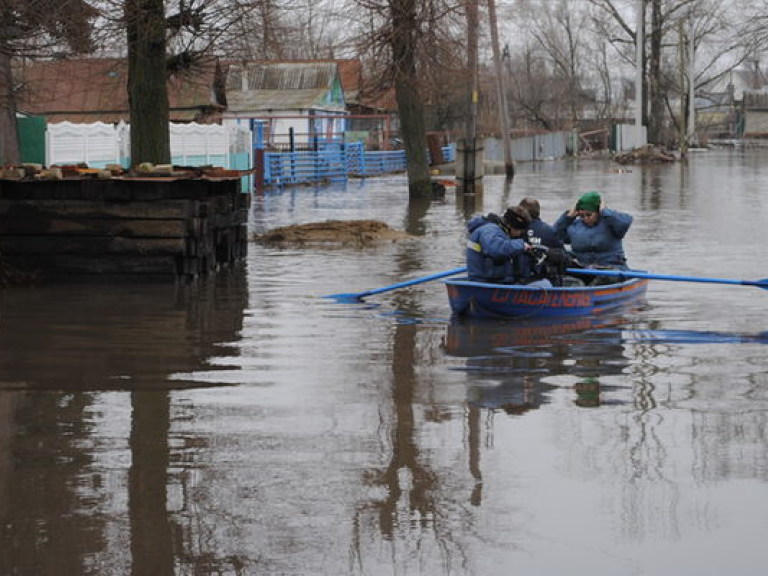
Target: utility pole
x=691, y=83
x=639, y=73
x=509, y=167
x=685, y=81
x=468, y=160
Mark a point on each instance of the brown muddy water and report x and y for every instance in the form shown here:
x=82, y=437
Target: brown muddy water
x=246, y=425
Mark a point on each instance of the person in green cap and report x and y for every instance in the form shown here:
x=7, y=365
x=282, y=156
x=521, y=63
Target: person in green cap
x=594, y=232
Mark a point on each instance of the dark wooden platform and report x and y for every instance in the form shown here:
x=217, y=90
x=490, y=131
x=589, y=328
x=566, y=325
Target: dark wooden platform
x=141, y=228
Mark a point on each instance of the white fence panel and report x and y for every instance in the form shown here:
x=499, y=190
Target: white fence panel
x=94, y=144
x=124, y=143
x=198, y=144
x=100, y=144
x=629, y=137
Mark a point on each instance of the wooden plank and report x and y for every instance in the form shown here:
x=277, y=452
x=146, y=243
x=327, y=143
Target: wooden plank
x=160, y=210
x=99, y=227
x=128, y=265
x=58, y=244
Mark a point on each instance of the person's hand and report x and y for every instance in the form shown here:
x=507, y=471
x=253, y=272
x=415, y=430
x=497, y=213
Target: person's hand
x=573, y=212
x=527, y=247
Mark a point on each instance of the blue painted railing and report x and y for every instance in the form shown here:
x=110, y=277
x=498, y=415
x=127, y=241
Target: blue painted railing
x=334, y=161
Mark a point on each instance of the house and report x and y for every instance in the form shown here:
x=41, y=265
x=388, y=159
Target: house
x=96, y=90
x=372, y=111
x=735, y=105
x=295, y=101
x=309, y=98
x=754, y=114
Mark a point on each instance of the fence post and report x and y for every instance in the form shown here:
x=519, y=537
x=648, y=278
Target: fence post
x=257, y=145
x=258, y=164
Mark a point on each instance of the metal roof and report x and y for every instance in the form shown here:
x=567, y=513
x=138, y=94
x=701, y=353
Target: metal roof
x=264, y=86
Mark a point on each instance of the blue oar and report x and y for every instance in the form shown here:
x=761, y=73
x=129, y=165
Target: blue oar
x=351, y=296
x=635, y=274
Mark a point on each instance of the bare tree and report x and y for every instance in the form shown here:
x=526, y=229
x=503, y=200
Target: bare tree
x=256, y=30
x=557, y=74
x=531, y=89
x=724, y=37
x=410, y=106
x=165, y=38
x=35, y=29
x=559, y=29
x=406, y=44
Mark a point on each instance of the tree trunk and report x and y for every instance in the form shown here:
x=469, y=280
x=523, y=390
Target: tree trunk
x=409, y=102
x=656, y=114
x=10, y=152
x=147, y=82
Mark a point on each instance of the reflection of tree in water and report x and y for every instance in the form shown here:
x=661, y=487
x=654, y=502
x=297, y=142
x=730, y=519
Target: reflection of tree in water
x=718, y=417
x=409, y=508
x=729, y=422
x=410, y=483
x=62, y=442
x=48, y=495
x=151, y=545
x=644, y=457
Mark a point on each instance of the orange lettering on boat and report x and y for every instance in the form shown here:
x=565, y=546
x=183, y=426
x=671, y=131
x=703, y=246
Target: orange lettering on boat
x=552, y=300
x=500, y=296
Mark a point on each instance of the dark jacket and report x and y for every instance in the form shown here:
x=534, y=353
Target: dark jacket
x=598, y=245
x=492, y=256
x=539, y=232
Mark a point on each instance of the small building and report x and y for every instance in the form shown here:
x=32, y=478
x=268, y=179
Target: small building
x=96, y=90
x=754, y=113
x=298, y=101
x=734, y=105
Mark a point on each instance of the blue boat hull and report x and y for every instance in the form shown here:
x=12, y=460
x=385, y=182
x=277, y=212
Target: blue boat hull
x=485, y=300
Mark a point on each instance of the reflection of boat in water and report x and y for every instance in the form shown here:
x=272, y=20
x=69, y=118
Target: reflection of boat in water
x=511, y=363
x=470, y=337
x=486, y=300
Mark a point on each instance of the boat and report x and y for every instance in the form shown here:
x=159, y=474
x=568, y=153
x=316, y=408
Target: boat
x=472, y=299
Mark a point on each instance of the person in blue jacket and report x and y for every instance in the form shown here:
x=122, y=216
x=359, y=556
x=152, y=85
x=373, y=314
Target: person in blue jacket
x=497, y=251
x=594, y=232
x=539, y=232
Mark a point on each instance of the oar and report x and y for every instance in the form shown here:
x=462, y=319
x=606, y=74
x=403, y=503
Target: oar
x=635, y=274
x=360, y=295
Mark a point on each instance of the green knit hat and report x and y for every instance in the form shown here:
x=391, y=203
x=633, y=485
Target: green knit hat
x=589, y=201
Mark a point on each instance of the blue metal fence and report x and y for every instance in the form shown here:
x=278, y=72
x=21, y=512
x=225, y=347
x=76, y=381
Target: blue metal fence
x=288, y=168
x=334, y=161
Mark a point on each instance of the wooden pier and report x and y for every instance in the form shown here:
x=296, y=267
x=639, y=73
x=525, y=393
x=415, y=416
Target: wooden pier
x=151, y=228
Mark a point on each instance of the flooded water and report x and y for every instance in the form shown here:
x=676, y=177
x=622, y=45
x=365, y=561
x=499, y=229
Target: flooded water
x=247, y=425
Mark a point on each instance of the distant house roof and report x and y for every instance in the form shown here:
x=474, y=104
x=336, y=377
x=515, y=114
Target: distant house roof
x=358, y=97
x=755, y=100
x=269, y=87
x=96, y=90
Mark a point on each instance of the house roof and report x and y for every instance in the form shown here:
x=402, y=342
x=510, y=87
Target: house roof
x=95, y=89
x=350, y=73
x=260, y=86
